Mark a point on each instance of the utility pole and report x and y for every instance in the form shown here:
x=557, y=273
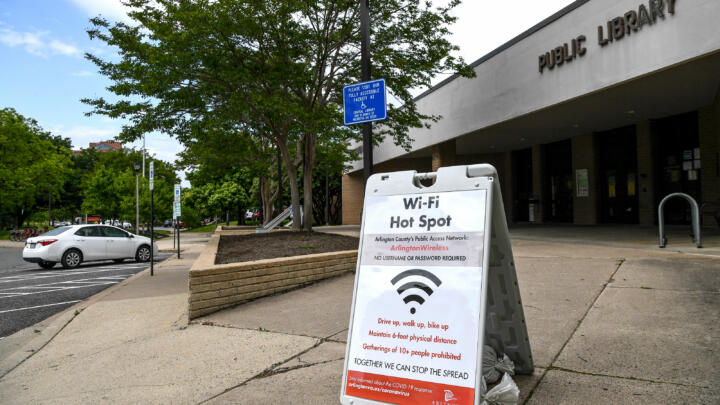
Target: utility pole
x=365, y=62
x=152, y=219
x=50, y=209
x=143, y=155
x=136, y=166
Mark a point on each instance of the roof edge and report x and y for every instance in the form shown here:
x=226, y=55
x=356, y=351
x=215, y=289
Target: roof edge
x=535, y=28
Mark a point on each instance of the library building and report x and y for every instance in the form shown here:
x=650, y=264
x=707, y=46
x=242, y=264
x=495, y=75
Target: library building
x=592, y=116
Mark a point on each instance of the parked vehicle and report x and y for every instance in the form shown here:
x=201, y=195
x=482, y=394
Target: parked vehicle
x=168, y=223
x=72, y=245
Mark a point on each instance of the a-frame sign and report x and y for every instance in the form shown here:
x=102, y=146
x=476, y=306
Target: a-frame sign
x=435, y=280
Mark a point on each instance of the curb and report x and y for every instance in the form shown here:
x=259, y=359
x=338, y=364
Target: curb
x=33, y=338
x=11, y=244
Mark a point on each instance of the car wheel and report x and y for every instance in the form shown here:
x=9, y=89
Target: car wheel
x=118, y=260
x=46, y=265
x=143, y=254
x=71, y=259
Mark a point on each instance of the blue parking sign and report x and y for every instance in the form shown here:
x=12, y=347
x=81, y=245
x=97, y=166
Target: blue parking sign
x=365, y=102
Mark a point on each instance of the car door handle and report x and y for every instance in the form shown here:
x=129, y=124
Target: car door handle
x=81, y=240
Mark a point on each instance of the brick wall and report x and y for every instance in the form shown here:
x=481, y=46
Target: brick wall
x=352, y=198
x=215, y=287
x=353, y=185
x=443, y=154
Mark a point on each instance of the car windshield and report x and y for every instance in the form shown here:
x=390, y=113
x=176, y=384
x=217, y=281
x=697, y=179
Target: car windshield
x=56, y=231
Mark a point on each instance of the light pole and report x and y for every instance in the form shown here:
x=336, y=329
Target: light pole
x=136, y=166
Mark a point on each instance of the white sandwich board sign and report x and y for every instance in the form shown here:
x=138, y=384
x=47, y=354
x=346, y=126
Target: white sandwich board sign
x=435, y=281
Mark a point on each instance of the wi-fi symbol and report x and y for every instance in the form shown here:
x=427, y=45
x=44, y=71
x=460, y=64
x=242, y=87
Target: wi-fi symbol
x=415, y=285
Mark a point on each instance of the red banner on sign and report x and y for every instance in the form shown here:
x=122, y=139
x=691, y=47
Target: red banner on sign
x=402, y=391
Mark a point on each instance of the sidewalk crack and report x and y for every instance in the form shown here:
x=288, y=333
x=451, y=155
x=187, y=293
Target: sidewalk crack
x=567, y=370
x=587, y=311
x=265, y=373
x=77, y=312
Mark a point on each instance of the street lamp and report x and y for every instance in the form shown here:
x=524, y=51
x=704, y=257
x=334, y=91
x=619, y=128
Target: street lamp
x=136, y=166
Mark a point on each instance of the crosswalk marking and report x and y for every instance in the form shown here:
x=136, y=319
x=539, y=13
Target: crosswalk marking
x=62, y=285
x=66, y=273
x=38, y=306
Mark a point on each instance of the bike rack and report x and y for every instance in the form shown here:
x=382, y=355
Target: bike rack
x=695, y=218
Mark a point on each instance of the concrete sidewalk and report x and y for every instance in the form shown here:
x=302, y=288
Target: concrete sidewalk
x=607, y=324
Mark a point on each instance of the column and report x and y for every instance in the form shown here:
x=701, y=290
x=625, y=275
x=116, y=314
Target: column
x=647, y=206
x=585, y=193
x=709, y=134
x=537, y=169
x=506, y=185
x=443, y=154
x=352, y=198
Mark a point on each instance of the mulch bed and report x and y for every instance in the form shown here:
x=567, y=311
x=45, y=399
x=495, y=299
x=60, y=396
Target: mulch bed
x=245, y=248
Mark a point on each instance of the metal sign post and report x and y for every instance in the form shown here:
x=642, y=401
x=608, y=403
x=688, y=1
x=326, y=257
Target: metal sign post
x=366, y=75
x=435, y=281
x=176, y=215
x=152, y=219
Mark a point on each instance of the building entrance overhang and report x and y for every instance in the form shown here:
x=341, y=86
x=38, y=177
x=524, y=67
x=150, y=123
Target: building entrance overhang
x=674, y=90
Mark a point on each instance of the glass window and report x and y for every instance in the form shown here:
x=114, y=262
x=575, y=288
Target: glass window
x=89, y=231
x=56, y=231
x=114, y=232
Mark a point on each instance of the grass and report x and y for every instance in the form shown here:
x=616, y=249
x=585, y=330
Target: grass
x=206, y=228
x=247, y=222
x=158, y=234
x=308, y=246
x=4, y=235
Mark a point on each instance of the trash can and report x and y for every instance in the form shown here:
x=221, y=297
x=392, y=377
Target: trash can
x=532, y=202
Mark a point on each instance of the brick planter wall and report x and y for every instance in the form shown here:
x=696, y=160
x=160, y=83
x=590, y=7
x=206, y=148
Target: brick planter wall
x=217, y=286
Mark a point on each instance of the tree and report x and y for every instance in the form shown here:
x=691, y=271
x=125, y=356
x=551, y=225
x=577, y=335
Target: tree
x=211, y=159
x=108, y=189
x=33, y=165
x=268, y=70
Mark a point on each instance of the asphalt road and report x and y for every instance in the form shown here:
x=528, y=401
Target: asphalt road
x=29, y=293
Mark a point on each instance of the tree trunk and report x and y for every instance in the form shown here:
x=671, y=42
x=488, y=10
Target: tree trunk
x=266, y=192
x=308, y=160
x=21, y=216
x=241, y=214
x=293, y=180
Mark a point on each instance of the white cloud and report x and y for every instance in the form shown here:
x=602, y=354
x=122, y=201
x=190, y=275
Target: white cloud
x=63, y=48
x=84, y=73
x=111, y=9
x=82, y=135
x=35, y=43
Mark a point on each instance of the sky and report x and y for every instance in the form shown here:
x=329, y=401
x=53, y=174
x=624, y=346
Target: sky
x=43, y=74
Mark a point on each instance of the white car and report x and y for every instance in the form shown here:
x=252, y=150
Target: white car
x=72, y=245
